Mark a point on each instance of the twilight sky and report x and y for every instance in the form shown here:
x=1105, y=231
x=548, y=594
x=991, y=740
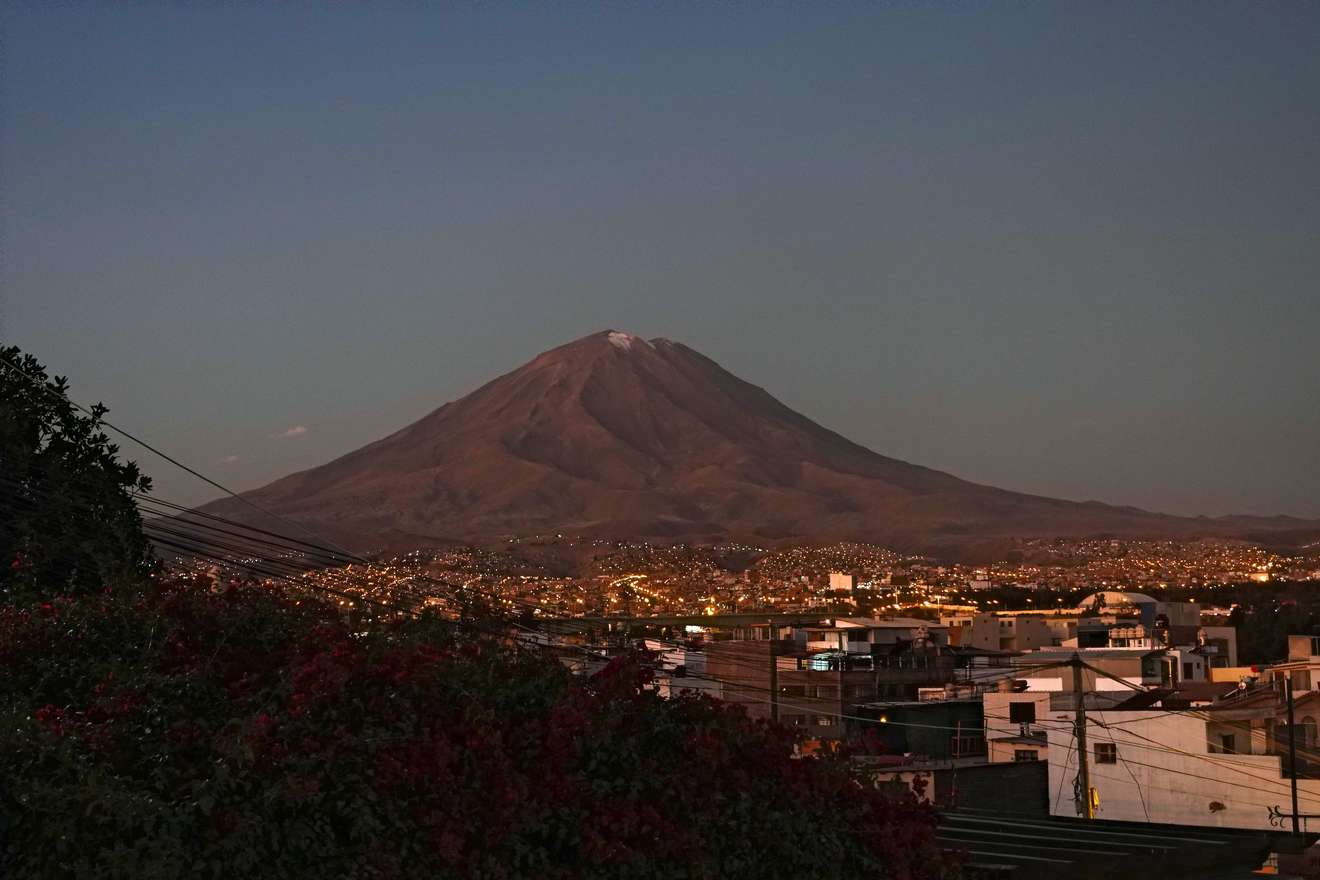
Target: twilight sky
x=1071, y=249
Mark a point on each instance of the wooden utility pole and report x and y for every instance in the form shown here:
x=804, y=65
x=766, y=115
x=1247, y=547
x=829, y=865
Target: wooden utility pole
x=774, y=673
x=1292, y=752
x=1079, y=726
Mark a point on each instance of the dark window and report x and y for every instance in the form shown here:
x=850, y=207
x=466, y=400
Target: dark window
x=1024, y=755
x=1022, y=712
x=793, y=690
x=1189, y=671
x=793, y=720
x=1228, y=743
x=1106, y=753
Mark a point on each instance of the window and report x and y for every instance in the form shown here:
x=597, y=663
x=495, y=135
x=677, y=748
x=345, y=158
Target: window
x=1306, y=732
x=1315, y=646
x=1301, y=680
x=1228, y=743
x=1025, y=755
x=1022, y=712
x=824, y=721
x=1189, y=671
x=1106, y=753
x=793, y=690
x=793, y=720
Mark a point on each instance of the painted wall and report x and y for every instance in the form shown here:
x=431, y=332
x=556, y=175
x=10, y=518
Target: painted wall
x=1166, y=773
x=998, y=727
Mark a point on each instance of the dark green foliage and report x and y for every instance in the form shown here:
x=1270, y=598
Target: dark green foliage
x=182, y=732
x=68, y=523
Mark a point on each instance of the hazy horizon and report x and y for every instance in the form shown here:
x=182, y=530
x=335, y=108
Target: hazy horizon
x=1064, y=250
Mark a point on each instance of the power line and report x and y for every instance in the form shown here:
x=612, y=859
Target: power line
x=100, y=420
x=190, y=543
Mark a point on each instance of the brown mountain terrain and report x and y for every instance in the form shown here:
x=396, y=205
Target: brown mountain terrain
x=616, y=436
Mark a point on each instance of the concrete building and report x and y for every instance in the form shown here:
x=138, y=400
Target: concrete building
x=1014, y=729
x=1223, y=764
x=823, y=670
x=1007, y=632
x=869, y=635
x=843, y=582
x=1302, y=667
x=925, y=730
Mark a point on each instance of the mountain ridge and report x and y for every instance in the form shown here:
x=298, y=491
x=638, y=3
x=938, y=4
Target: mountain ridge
x=613, y=435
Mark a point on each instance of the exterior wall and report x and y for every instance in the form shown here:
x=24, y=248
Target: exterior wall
x=1007, y=752
x=1165, y=773
x=1225, y=638
x=1061, y=629
x=937, y=730
x=999, y=729
x=1126, y=668
x=1033, y=634
x=974, y=785
x=841, y=581
x=1023, y=632
x=1232, y=673
x=1190, y=666
x=979, y=785
x=1300, y=648
x=982, y=630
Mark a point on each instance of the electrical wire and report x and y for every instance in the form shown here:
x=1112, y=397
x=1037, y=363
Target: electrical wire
x=185, y=542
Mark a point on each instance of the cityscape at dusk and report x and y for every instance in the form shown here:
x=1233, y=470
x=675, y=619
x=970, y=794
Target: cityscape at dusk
x=631, y=579
x=659, y=441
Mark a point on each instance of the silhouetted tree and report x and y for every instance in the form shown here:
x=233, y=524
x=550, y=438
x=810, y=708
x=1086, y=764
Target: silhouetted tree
x=68, y=522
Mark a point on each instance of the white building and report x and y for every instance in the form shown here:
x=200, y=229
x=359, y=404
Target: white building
x=1223, y=765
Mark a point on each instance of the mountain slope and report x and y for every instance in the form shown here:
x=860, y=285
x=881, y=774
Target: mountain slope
x=613, y=435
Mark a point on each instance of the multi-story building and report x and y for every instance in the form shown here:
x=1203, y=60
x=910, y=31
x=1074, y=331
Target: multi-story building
x=1012, y=724
x=813, y=675
x=1302, y=667
x=1009, y=632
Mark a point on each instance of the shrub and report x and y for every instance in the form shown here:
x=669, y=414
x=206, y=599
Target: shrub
x=180, y=731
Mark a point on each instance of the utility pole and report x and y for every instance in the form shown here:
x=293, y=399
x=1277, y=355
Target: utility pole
x=1079, y=726
x=957, y=753
x=1292, y=752
x=774, y=673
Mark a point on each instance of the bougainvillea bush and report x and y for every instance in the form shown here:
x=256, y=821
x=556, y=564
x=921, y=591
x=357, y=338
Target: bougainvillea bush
x=180, y=731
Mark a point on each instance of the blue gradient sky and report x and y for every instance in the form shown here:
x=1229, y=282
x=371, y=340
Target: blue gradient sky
x=1067, y=249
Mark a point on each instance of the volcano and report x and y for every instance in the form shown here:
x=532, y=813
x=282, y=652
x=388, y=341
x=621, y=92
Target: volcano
x=617, y=436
